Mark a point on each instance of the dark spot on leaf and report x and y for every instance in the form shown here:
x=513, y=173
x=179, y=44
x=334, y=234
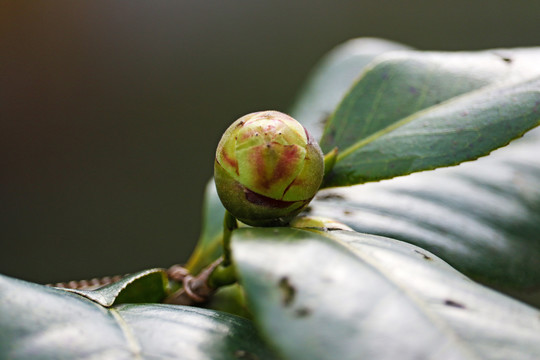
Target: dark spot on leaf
x=287, y=291
x=347, y=212
x=453, y=303
x=302, y=312
x=242, y=354
x=330, y=196
x=324, y=119
x=307, y=210
x=508, y=60
x=330, y=137
x=423, y=255
x=333, y=229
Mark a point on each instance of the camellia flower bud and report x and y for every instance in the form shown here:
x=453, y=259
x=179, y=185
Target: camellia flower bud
x=267, y=168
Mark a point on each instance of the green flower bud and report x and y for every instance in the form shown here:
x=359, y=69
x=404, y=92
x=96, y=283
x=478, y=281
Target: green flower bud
x=267, y=168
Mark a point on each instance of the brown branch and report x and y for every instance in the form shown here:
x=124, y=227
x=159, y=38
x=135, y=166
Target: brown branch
x=91, y=284
x=195, y=288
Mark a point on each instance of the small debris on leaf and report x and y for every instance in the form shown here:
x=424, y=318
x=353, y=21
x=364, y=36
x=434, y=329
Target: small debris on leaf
x=423, y=255
x=454, y=304
x=287, y=290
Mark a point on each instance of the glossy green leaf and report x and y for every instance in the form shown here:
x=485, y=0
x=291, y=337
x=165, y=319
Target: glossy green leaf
x=148, y=286
x=333, y=76
x=344, y=295
x=413, y=111
x=208, y=248
x=230, y=299
x=482, y=217
x=38, y=322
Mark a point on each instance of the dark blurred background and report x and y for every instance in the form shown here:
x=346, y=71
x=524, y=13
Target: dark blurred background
x=110, y=111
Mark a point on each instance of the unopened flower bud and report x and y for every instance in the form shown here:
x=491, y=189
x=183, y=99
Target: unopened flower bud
x=267, y=168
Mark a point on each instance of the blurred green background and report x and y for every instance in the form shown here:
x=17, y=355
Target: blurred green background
x=110, y=111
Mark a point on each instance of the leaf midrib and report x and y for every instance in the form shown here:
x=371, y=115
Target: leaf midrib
x=399, y=123
x=131, y=339
x=421, y=304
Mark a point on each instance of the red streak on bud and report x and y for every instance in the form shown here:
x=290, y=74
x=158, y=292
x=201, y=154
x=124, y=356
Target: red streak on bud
x=287, y=163
x=285, y=167
x=258, y=159
x=262, y=200
x=231, y=162
x=310, y=139
x=246, y=135
x=296, y=182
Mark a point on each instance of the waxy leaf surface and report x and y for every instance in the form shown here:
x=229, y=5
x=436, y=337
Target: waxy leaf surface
x=146, y=286
x=411, y=111
x=333, y=76
x=38, y=322
x=344, y=295
x=482, y=217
